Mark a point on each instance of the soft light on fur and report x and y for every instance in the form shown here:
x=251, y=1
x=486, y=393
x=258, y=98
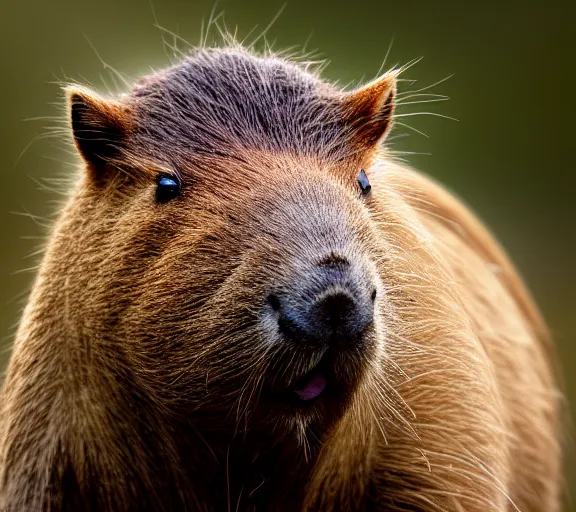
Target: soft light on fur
x=146, y=368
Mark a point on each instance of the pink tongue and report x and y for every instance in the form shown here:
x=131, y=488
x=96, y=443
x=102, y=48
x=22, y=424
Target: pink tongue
x=312, y=388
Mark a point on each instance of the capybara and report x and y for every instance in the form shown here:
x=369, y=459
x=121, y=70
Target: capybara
x=248, y=305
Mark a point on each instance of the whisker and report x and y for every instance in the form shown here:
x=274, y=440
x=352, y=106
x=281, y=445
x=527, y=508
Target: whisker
x=156, y=24
x=269, y=26
x=409, y=64
x=105, y=65
x=436, y=114
x=403, y=103
x=412, y=128
x=175, y=36
x=428, y=86
x=383, y=65
x=425, y=95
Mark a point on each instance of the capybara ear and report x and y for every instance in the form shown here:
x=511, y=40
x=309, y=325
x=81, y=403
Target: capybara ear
x=100, y=126
x=368, y=110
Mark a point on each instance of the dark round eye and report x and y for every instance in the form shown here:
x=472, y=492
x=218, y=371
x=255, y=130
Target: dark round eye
x=167, y=187
x=365, y=186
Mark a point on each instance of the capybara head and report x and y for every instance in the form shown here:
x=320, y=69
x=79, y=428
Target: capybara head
x=236, y=238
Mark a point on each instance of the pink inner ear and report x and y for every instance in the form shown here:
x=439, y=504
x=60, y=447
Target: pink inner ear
x=313, y=388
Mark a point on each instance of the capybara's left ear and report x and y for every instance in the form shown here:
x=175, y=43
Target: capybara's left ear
x=368, y=111
x=100, y=126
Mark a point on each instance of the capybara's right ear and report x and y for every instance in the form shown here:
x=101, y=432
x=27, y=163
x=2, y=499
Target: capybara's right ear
x=99, y=126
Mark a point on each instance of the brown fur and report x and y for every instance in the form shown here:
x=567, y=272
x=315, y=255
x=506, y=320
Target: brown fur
x=144, y=371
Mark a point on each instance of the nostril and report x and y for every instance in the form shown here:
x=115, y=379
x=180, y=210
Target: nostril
x=373, y=296
x=274, y=302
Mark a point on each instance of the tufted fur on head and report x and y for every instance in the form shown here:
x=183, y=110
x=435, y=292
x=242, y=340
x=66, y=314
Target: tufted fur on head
x=150, y=370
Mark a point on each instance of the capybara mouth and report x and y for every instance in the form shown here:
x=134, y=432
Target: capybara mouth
x=308, y=388
x=326, y=384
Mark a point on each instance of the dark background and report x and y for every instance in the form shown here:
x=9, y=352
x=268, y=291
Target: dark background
x=510, y=155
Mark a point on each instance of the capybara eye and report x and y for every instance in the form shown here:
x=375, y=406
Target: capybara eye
x=168, y=187
x=365, y=186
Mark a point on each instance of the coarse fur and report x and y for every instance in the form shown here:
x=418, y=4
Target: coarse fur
x=147, y=365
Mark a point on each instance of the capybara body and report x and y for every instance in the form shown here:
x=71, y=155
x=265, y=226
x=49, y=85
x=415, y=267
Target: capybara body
x=247, y=305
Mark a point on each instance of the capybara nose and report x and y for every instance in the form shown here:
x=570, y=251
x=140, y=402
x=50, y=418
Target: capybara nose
x=339, y=316
x=339, y=311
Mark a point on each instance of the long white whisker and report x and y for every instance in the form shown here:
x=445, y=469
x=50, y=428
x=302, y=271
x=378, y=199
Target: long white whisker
x=403, y=103
x=412, y=128
x=427, y=87
x=409, y=114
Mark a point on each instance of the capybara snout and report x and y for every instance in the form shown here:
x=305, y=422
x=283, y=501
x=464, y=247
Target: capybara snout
x=331, y=305
x=323, y=289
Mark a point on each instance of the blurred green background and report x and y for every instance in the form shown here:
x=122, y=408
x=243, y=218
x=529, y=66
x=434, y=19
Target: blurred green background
x=510, y=155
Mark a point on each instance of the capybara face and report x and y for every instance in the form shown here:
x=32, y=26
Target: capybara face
x=245, y=278
x=261, y=296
